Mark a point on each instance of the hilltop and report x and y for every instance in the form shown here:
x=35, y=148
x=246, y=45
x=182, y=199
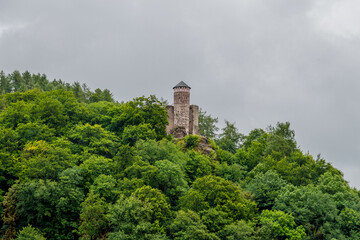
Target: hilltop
x=75, y=164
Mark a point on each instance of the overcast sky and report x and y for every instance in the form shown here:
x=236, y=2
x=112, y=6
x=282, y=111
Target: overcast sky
x=248, y=61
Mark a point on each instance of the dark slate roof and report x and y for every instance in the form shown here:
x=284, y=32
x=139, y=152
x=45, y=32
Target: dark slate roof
x=182, y=84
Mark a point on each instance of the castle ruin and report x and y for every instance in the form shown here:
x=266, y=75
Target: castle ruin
x=183, y=117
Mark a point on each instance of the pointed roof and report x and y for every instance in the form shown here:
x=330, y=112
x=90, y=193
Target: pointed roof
x=182, y=84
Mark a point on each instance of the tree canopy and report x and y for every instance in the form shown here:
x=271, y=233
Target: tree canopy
x=75, y=164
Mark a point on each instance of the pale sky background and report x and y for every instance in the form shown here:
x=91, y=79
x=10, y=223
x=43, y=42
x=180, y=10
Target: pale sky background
x=248, y=61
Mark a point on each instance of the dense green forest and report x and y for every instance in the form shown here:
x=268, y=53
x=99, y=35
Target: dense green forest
x=17, y=82
x=75, y=164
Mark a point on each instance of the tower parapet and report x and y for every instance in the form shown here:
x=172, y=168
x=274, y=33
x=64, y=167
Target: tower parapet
x=183, y=117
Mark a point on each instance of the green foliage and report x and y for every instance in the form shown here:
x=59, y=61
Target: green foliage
x=95, y=166
x=251, y=156
x=234, y=172
x=93, y=140
x=154, y=113
x=10, y=216
x=266, y=188
x=124, y=158
x=56, y=109
x=93, y=217
x=9, y=140
x=141, y=170
x=127, y=186
x=73, y=177
x=8, y=145
x=16, y=113
x=148, y=236
x=191, y=141
x=224, y=156
x=41, y=160
x=198, y=165
x=279, y=225
x=239, y=230
x=1, y=207
x=17, y=82
x=141, y=110
x=34, y=132
x=30, y=233
x=152, y=151
x=170, y=179
x=51, y=112
x=214, y=220
x=159, y=206
x=207, y=124
x=50, y=206
x=104, y=186
x=187, y=225
x=315, y=210
x=5, y=85
x=132, y=134
x=215, y=192
x=281, y=141
x=100, y=95
x=350, y=222
x=297, y=169
x=140, y=216
x=256, y=135
x=230, y=138
x=102, y=113
x=343, y=195
x=74, y=164
x=131, y=218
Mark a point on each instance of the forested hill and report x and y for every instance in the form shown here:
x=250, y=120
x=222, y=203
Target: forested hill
x=75, y=166
x=21, y=82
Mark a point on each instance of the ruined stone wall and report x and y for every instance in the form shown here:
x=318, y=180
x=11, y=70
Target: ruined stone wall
x=183, y=118
x=194, y=120
x=182, y=107
x=170, y=111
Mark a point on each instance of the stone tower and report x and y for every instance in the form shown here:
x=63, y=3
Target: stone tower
x=183, y=117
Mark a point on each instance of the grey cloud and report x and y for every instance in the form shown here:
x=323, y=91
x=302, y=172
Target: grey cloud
x=250, y=61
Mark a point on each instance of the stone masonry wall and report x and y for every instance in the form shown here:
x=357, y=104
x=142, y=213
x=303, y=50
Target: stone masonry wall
x=194, y=120
x=183, y=118
x=170, y=126
x=182, y=107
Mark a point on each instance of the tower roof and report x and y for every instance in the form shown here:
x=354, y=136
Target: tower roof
x=182, y=84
